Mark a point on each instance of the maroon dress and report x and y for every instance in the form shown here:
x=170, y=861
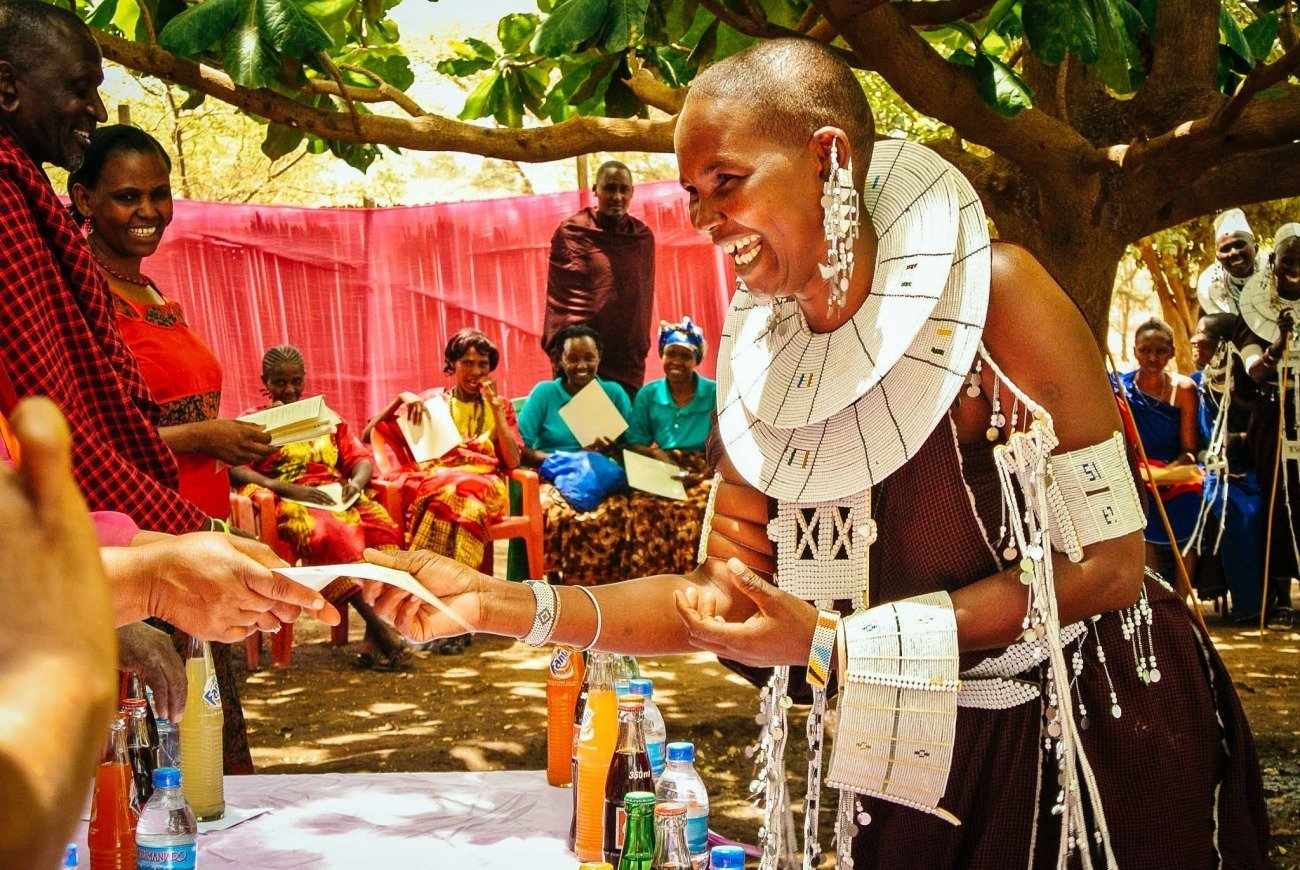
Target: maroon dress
x=1178, y=745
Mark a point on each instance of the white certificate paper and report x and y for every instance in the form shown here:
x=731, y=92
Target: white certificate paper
x=653, y=476
x=317, y=577
x=591, y=415
x=435, y=436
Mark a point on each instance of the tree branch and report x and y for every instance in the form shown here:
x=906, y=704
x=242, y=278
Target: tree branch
x=582, y=135
x=410, y=106
x=767, y=30
x=936, y=13
x=1186, y=56
x=886, y=43
x=655, y=93
x=1255, y=176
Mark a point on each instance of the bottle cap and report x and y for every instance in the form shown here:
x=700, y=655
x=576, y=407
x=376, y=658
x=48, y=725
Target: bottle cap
x=638, y=799
x=681, y=751
x=70, y=855
x=595, y=865
x=167, y=777
x=622, y=687
x=727, y=858
x=134, y=703
x=670, y=809
x=631, y=703
x=643, y=687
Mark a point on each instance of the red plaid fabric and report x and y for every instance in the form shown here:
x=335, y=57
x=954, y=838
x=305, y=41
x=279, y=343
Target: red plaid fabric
x=60, y=339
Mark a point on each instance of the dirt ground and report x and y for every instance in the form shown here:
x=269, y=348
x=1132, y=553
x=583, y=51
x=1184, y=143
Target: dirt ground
x=324, y=714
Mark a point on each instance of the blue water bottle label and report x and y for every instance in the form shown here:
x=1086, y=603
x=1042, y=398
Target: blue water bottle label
x=657, y=761
x=179, y=857
x=697, y=834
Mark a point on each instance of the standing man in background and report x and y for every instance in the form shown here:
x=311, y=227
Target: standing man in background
x=602, y=274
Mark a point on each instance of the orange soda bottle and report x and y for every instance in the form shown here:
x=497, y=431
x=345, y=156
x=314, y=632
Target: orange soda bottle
x=595, y=749
x=111, y=837
x=563, y=683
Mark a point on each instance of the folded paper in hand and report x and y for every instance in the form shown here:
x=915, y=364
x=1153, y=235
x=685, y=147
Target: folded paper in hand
x=590, y=415
x=653, y=476
x=297, y=421
x=317, y=577
x=435, y=436
x=335, y=492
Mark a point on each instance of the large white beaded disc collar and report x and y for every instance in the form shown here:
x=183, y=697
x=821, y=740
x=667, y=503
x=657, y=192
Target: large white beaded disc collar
x=1260, y=305
x=812, y=418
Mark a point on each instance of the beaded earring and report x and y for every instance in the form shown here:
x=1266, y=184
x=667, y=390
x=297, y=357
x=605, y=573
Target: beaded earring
x=840, y=204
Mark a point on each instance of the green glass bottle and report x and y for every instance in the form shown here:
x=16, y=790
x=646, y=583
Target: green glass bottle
x=639, y=844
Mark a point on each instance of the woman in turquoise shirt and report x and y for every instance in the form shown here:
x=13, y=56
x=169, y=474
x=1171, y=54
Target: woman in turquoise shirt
x=587, y=547
x=670, y=421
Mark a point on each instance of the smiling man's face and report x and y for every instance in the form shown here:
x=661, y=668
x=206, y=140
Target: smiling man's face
x=52, y=106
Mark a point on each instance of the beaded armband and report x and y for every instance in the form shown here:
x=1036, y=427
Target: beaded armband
x=546, y=615
x=898, y=702
x=1093, y=496
x=823, y=647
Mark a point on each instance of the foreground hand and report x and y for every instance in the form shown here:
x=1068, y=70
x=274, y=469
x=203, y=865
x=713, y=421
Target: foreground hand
x=144, y=650
x=457, y=585
x=416, y=412
x=217, y=587
x=350, y=488
x=780, y=633
x=235, y=442
x=601, y=445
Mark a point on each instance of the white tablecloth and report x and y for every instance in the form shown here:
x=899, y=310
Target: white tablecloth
x=392, y=821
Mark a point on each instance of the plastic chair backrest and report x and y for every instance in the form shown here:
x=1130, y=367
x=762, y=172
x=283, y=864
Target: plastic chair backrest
x=518, y=402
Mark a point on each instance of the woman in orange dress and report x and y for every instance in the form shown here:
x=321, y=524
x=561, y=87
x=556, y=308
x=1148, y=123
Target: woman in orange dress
x=122, y=192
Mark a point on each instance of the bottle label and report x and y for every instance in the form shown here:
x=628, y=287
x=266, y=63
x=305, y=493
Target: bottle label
x=620, y=827
x=562, y=664
x=211, y=694
x=655, y=751
x=697, y=834
x=178, y=857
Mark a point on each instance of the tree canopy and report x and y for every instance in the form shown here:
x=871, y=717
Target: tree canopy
x=1084, y=124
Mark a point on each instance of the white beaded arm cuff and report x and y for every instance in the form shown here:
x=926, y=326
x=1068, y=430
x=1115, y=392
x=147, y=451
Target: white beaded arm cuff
x=546, y=616
x=1093, y=496
x=898, y=702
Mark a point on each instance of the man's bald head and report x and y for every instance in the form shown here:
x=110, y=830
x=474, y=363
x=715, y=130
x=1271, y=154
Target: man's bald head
x=29, y=29
x=801, y=86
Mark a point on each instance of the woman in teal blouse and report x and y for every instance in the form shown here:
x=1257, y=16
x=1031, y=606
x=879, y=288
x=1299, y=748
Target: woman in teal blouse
x=670, y=421
x=587, y=547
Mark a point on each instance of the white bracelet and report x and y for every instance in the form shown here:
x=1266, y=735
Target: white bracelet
x=546, y=616
x=592, y=598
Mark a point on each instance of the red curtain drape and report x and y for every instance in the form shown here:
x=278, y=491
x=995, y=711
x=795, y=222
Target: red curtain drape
x=370, y=296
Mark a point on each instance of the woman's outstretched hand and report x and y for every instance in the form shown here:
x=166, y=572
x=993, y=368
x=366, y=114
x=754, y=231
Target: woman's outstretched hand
x=456, y=585
x=778, y=633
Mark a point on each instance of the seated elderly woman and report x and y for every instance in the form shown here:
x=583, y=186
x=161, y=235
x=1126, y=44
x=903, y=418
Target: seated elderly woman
x=451, y=500
x=670, y=421
x=295, y=473
x=587, y=547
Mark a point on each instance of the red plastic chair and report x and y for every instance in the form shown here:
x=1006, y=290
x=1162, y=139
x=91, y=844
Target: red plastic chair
x=257, y=516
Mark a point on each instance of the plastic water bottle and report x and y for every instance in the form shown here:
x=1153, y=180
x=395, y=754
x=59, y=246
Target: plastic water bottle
x=169, y=744
x=70, y=858
x=680, y=783
x=166, y=835
x=656, y=733
x=728, y=858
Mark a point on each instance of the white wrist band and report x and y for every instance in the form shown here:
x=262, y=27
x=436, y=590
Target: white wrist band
x=592, y=598
x=545, y=617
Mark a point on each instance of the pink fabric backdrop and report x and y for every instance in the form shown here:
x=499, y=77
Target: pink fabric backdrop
x=370, y=296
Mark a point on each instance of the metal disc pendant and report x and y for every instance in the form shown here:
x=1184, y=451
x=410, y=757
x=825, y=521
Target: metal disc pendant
x=1009, y=554
x=1154, y=674
x=993, y=433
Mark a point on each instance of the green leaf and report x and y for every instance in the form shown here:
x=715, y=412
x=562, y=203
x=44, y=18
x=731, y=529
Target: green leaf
x=280, y=141
x=1058, y=28
x=246, y=57
x=730, y=42
x=592, y=84
x=557, y=106
x=328, y=12
x=1001, y=88
x=702, y=54
x=102, y=17
x=678, y=15
x=291, y=30
x=1232, y=37
x=532, y=83
x=515, y=30
x=470, y=56
x=572, y=23
x=386, y=61
x=620, y=102
x=1260, y=35
x=962, y=58
x=127, y=20
x=1116, y=51
x=625, y=24
x=357, y=155
x=510, y=104
x=200, y=27
x=484, y=99
x=193, y=100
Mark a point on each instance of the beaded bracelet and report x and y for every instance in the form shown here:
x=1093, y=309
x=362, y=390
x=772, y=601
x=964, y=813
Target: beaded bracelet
x=546, y=616
x=823, y=645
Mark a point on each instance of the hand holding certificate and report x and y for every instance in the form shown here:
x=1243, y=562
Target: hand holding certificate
x=317, y=577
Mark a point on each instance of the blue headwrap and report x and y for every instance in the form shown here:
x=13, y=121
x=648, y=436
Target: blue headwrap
x=686, y=333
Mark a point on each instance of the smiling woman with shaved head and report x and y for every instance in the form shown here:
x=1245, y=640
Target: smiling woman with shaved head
x=926, y=505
